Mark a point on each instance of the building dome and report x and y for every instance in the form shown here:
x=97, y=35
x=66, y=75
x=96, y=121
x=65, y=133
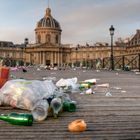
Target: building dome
x=48, y=30
x=48, y=21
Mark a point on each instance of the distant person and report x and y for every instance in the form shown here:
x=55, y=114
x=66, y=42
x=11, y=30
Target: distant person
x=24, y=70
x=98, y=63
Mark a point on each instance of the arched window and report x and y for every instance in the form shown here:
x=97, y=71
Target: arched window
x=48, y=38
x=56, y=39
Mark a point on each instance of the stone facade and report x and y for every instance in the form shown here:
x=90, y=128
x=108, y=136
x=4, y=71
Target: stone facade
x=48, y=49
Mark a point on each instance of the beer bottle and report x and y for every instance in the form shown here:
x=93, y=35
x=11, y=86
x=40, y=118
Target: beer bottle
x=17, y=118
x=84, y=85
x=69, y=106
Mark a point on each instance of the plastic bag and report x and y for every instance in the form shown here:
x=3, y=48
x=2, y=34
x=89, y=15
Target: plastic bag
x=24, y=94
x=67, y=85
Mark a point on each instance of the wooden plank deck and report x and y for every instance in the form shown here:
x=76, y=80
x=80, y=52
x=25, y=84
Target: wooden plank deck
x=108, y=118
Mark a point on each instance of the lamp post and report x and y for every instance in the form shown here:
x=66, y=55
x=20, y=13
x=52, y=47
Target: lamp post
x=76, y=56
x=112, y=29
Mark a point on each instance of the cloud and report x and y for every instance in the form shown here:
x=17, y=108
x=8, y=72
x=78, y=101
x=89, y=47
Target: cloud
x=16, y=35
x=94, y=20
x=81, y=20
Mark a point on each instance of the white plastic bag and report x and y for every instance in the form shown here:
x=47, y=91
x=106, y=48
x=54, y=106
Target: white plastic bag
x=67, y=84
x=24, y=94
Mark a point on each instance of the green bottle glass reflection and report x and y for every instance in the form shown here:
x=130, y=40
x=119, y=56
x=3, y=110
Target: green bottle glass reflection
x=85, y=85
x=69, y=106
x=18, y=118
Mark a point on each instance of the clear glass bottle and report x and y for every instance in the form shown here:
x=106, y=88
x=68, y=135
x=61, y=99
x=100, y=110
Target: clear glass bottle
x=56, y=105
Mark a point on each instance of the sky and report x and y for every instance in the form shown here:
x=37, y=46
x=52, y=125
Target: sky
x=82, y=21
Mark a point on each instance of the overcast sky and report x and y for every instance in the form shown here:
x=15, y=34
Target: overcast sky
x=81, y=20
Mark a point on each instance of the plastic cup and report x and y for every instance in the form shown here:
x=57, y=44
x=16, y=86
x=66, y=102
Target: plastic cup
x=4, y=73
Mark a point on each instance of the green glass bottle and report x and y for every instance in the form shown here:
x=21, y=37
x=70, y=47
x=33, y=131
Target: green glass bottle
x=18, y=118
x=84, y=85
x=69, y=106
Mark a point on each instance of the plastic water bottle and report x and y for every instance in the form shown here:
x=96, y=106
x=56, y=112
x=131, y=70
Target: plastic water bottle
x=40, y=110
x=18, y=118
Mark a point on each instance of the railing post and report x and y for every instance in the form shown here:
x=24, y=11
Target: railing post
x=103, y=63
x=123, y=63
x=139, y=61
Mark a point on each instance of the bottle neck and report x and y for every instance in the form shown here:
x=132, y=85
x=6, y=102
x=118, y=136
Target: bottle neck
x=3, y=117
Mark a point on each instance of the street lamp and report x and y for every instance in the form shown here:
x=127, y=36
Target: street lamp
x=76, y=56
x=112, y=29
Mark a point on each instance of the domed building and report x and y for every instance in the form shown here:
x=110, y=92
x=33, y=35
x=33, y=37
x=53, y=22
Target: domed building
x=48, y=30
x=48, y=49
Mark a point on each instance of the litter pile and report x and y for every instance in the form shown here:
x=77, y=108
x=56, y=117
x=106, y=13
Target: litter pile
x=45, y=96
x=37, y=96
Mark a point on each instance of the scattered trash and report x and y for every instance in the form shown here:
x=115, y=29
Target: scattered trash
x=56, y=105
x=36, y=96
x=69, y=106
x=2, y=82
x=97, y=70
x=108, y=94
x=126, y=68
x=4, y=75
x=135, y=70
x=67, y=85
x=18, y=119
x=106, y=85
x=89, y=91
x=14, y=69
x=117, y=88
x=123, y=91
x=40, y=110
x=25, y=94
x=84, y=85
x=53, y=73
x=117, y=73
x=13, y=76
x=137, y=73
x=49, y=78
x=91, y=81
x=77, y=126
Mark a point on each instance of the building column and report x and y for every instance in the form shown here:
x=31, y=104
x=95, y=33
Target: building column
x=58, y=58
x=60, y=61
x=55, y=57
x=44, y=58
x=40, y=57
x=52, y=59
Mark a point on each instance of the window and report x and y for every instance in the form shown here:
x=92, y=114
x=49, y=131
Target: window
x=48, y=38
x=39, y=38
x=56, y=39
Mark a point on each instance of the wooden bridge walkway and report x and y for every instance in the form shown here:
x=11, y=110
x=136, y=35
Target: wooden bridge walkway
x=115, y=117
